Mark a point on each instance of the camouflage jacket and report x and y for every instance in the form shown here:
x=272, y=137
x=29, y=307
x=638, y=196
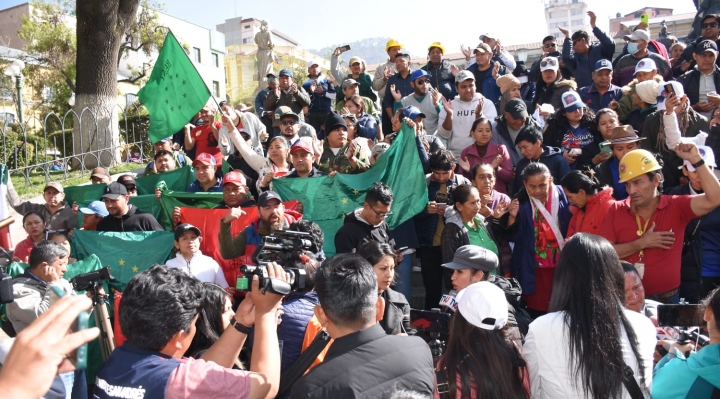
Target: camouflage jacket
x=330, y=162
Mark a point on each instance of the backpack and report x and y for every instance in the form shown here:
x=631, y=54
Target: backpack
x=513, y=293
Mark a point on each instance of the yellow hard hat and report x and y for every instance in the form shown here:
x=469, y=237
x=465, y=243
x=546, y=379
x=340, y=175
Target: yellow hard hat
x=438, y=45
x=636, y=163
x=392, y=43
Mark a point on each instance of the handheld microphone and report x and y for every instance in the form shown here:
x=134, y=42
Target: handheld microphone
x=448, y=302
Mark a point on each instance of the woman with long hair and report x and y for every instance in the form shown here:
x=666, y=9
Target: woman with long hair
x=396, y=319
x=214, y=317
x=572, y=129
x=275, y=165
x=34, y=226
x=551, y=85
x=583, y=348
x=480, y=361
x=366, y=125
x=509, y=89
x=590, y=202
x=606, y=120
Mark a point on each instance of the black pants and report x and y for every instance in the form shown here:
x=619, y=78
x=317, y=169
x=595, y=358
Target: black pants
x=432, y=274
x=709, y=284
x=386, y=122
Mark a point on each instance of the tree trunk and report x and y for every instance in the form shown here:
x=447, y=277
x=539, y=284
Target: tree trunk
x=100, y=28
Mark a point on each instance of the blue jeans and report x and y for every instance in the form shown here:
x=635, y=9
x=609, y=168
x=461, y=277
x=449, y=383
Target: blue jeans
x=402, y=277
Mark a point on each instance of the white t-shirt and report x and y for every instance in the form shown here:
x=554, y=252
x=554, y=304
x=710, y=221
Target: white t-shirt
x=547, y=352
x=463, y=117
x=204, y=268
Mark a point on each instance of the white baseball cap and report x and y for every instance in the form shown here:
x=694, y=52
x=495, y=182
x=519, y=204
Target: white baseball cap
x=640, y=34
x=707, y=155
x=645, y=65
x=549, y=63
x=483, y=305
x=662, y=93
x=311, y=63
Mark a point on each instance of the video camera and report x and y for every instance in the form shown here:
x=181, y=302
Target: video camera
x=685, y=319
x=433, y=326
x=282, y=247
x=90, y=281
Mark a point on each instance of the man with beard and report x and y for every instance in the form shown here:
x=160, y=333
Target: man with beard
x=123, y=216
x=164, y=161
x=272, y=215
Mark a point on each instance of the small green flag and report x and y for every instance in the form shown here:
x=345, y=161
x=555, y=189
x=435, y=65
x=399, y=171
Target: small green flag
x=327, y=200
x=174, y=93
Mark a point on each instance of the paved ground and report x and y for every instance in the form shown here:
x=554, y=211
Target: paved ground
x=17, y=233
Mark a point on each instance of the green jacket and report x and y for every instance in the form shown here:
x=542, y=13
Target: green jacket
x=693, y=378
x=330, y=162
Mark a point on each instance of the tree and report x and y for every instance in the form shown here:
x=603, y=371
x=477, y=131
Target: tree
x=86, y=58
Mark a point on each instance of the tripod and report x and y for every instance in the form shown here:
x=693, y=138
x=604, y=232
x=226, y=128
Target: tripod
x=102, y=321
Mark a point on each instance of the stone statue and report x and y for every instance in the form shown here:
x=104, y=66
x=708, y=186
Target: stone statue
x=663, y=30
x=265, y=54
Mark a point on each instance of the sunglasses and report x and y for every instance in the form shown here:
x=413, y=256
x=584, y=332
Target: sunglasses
x=288, y=123
x=709, y=25
x=271, y=79
x=422, y=82
x=545, y=63
x=550, y=45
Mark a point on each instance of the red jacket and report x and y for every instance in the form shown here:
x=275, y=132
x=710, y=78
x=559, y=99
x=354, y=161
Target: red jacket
x=591, y=218
x=505, y=170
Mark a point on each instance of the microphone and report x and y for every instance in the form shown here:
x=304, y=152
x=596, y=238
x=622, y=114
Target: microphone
x=448, y=302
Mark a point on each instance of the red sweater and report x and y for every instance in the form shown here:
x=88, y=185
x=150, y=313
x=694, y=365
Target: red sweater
x=504, y=173
x=590, y=220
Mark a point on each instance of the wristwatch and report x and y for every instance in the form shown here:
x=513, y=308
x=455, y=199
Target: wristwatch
x=700, y=163
x=240, y=327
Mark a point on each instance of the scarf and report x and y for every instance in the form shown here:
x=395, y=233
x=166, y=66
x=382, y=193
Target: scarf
x=549, y=240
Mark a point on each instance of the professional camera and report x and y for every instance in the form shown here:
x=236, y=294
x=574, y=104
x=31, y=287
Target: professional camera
x=282, y=247
x=433, y=327
x=276, y=286
x=89, y=281
x=686, y=320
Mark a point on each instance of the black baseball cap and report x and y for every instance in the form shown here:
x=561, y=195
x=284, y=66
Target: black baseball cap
x=516, y=107
x=266, y=196
x=114, y=190
x=184, y=228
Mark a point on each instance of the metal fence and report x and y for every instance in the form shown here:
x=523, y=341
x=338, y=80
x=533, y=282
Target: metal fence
x=60, y=147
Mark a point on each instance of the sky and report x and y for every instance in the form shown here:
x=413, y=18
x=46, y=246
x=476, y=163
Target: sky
x=416, y=24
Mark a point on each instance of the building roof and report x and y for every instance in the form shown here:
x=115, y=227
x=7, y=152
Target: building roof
x=667, y=18
x=643, y=9
x=274, y=31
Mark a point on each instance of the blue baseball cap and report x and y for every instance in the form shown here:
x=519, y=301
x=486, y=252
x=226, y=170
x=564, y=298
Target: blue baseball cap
x=418, y=73
x=286, y=72
x=95, y=208
x=603, y=64
x=412, y=112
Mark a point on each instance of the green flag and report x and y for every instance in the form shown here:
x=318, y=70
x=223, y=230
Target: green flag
x=327, y=200
x=174, y=93
x=127, y=253
x=176, y=180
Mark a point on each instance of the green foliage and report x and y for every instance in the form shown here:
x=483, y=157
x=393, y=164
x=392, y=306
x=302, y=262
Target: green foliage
x=16, y=152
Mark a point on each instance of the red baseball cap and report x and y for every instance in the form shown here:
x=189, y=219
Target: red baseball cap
x=302, y=145
x=234, y=177
x=205, y=159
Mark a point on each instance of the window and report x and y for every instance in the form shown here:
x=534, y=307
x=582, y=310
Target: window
x=130, y=99
x=577, y=22
x=47, y=94
x=246, y=27
x=576, y=11
x=196, y=54
x=216, y=60
x=246, y=41
x=216, y=88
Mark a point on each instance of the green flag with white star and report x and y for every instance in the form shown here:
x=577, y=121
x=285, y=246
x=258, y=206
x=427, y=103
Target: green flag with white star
x=127, y=253
x=174, y=93
x=327, y=200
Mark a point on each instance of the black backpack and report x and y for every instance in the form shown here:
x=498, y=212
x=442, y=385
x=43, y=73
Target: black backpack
x=513, y=294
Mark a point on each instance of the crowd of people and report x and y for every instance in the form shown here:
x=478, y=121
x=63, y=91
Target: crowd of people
x=566, y=202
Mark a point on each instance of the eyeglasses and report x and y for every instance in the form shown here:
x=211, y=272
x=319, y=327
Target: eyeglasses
x=550, y=62
x=288, y=123
x=709, y=25
x=422, y=82
x=550, y=45
x=271, y=79
x=380, y=215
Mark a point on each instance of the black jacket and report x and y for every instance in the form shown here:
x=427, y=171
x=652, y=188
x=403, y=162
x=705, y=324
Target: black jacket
x=133, y=220
x=354, y=232
x=396, y=319
x=687, y=55
x=691, y=83
x=369, y=364
x=442, y=79
x=605, y=177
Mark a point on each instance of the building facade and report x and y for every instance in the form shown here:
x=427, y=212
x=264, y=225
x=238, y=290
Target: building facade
x=568, y=14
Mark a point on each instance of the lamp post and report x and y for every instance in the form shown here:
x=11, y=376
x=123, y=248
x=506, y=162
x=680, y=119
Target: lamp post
x=14, y=70
x=522, y=54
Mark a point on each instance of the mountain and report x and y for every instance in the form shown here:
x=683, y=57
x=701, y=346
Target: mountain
x=371, y=50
